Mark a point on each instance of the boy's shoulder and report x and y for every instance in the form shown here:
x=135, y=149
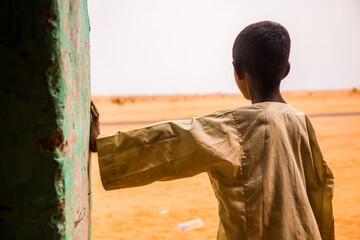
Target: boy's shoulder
x=272, y=114
x=258, y=109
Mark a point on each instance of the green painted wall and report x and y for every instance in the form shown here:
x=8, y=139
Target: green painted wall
x=45, y=187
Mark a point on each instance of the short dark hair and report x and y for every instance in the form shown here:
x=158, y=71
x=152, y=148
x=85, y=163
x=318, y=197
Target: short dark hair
x=263, y=49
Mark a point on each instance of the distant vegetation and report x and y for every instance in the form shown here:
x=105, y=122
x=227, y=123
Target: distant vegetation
x=123, y=100
x=172, y=98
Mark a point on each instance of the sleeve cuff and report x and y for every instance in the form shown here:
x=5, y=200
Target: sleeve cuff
x=105, y=148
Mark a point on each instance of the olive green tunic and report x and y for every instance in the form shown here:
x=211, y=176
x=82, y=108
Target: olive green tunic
x=263, y=160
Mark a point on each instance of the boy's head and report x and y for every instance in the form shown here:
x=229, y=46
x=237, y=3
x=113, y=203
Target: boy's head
x=262, y=50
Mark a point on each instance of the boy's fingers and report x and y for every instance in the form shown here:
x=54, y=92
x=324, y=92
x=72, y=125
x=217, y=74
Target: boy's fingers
x=92, y=103
x=95, y=116
x=93, y=113
x=94, y=108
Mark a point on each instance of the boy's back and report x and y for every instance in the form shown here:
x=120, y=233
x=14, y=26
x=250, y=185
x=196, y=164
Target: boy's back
x=282, y=185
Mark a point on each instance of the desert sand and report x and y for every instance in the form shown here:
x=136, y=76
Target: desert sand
x=134, y=213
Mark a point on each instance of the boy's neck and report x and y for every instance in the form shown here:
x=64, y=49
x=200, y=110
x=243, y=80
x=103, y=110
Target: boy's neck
x=260, y=96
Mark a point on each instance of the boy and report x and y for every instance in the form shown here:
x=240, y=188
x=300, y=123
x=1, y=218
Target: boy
x=263, y=160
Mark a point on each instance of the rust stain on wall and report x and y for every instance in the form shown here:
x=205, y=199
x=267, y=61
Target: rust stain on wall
x=53, y=142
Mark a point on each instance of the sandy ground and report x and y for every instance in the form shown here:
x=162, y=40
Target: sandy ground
x=134, y=213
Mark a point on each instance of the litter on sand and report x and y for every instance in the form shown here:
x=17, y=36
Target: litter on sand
x=164, y=211
x=190, y=225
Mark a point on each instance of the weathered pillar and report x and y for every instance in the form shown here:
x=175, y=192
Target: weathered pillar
x=45, y=188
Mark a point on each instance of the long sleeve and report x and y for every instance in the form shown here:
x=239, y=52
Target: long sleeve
x=168, y=150
x=320, y=187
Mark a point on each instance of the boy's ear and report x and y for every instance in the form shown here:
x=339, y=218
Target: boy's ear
x=239, y=73
x=287, y=70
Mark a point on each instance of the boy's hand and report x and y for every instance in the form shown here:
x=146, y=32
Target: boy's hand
x=94, y=127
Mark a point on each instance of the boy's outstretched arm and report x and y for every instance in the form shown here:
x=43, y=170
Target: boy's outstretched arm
x=168, y=150
x=94, y=127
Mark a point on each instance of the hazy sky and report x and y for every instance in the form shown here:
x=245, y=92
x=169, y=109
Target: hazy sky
x=184, y=46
